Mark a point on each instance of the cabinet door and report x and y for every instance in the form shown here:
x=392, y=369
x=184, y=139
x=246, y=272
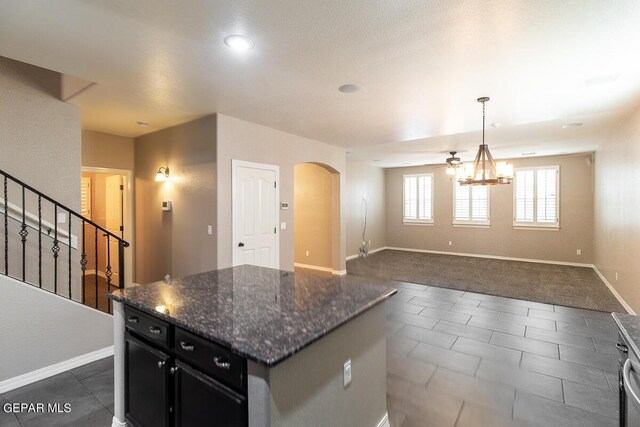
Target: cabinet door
x=201, y=401
x=147, y=385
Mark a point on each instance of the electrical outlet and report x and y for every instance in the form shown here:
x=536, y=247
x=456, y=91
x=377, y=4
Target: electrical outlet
x=283, y=226
x=579, y=252
x=62, y=218
x=210, y=230
x=450, y=243
x=306, y=253
x=346, y=373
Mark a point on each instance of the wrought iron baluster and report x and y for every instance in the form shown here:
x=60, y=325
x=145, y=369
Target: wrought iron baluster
x=23, y=238
x=96, y=243
x=39, y=241
x=83, y=262
x=108, y=272
x=121, y=264
x=55, y=249
x=69, y=260
x=6, y=228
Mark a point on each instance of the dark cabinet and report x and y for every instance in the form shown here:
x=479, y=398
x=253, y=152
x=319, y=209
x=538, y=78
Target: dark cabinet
x=176, y=378
x=202, y=401
x=147, y=384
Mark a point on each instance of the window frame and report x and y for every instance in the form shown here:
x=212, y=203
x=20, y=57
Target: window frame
x=535, y=225
x=410, y=221
x=471, y=222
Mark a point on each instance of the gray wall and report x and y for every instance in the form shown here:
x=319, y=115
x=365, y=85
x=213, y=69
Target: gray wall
x=39, y=132
x=617, y=207
x=364, y=181
x=176, y=242
x=241, y=140
x=39, y=329
x=103, y=150
x=501, y=239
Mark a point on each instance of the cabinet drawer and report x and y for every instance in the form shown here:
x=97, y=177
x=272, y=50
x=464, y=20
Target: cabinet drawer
x=212, y=359
x=148, y=326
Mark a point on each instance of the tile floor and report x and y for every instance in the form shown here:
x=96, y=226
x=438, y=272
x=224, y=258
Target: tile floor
x=454, y=359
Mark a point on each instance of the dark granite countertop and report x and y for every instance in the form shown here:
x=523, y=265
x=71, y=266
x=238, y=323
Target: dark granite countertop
x=629, y=325
x=262, y=314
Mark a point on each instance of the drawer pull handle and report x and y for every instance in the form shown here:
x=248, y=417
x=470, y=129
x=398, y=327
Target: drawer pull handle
x=623, y=348
x=173, y=370
x=160, y=364
x=221, y=363
x=155, y=330
x=185, y=346
x=627, y=368
x=133, y=319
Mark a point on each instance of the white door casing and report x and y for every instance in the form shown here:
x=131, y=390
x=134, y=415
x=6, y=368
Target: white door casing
x=255, y=214
x=114, y=217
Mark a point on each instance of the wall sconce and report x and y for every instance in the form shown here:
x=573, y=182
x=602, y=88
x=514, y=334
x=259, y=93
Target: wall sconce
x=162, y=174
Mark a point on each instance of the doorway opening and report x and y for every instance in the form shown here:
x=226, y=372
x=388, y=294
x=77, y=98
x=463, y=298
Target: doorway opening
x=106, y=199
x=316, y=217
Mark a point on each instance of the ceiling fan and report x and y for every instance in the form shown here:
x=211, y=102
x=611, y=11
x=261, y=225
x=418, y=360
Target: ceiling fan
x=453, y=163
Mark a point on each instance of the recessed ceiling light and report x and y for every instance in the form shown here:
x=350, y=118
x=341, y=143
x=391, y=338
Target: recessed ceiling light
x=496, y=124
x=239, y=43
x=571, y=125
x=602, y=79
x=349, y=88
x=529, y=154
x=143, y=124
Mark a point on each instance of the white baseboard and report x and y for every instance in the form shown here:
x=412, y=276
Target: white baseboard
x=506, y=258
x=318, y=268
x=117, y=423
x=372, y=251
x=614, y=292
x=49, y=371
x=384, y=422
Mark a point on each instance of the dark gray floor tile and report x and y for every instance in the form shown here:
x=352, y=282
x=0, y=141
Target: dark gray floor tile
x=404, y=307
x=605, y=361
x=409, y=285
x=93, y=368
x=562, y=317
x=427, y=336
x=487, y=351
x=519, y=303
x=528, y=321
x=409, y=368
x=7, y=419
x=101, y=386
x=497, y=325
x=513, y=309
x=396, y=416
x=525, y=344
x=413, y=292
x=606, y=324
x=612, y=378
x=430, y=302
x=566, y=370
x=602, y=402
x=453, y=360
x=465, y=331
x=578, y=341
x=480, y=391
x=400, y=345
x=589, y=314
x=533, y=382
x=587, y=331
x=393, y=326
x=434, y=290
x=445, y=315
x=401, y=297
x=473, y=415
x=605, y=346
x=85, y=412
x=453, y=299
x=422, y=406
x=476, y=312
x=539, y=411
x=412, y=319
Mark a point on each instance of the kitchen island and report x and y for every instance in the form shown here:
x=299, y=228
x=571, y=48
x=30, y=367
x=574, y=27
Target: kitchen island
x=251, y=346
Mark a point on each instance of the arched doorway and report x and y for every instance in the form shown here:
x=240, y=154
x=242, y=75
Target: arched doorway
x=316, y=207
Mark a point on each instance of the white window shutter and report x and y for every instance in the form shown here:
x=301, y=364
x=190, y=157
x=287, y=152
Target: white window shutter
x=546, y=197
x=524, y=196
x=480, y=203
x=410, y=197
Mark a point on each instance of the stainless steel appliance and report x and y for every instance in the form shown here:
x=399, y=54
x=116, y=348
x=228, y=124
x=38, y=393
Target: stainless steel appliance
x=629, y=384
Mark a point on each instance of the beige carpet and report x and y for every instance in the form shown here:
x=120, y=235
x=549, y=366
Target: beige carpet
x=552, y=284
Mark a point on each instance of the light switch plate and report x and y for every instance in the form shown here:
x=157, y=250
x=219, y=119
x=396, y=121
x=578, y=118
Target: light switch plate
x=283, y=226
x=346, y=373
x=210, y=230
x=62, y=217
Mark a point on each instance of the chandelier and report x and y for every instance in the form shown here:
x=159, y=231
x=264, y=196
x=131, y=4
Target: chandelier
x=484, y=170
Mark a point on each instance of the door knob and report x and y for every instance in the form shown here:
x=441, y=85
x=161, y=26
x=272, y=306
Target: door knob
x=240, y=244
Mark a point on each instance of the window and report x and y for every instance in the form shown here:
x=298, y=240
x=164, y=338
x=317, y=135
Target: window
x=85, y=197
x=536, y=197
x=418, y=198
x=470, y=204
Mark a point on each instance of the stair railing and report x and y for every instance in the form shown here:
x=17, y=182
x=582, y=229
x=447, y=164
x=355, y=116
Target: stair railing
x=17, y=202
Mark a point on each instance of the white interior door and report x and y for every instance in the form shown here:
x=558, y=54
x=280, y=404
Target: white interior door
x=255, y=209
x=114, y=220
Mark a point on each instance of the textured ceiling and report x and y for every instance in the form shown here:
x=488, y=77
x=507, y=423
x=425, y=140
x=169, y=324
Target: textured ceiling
x=420, y=64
